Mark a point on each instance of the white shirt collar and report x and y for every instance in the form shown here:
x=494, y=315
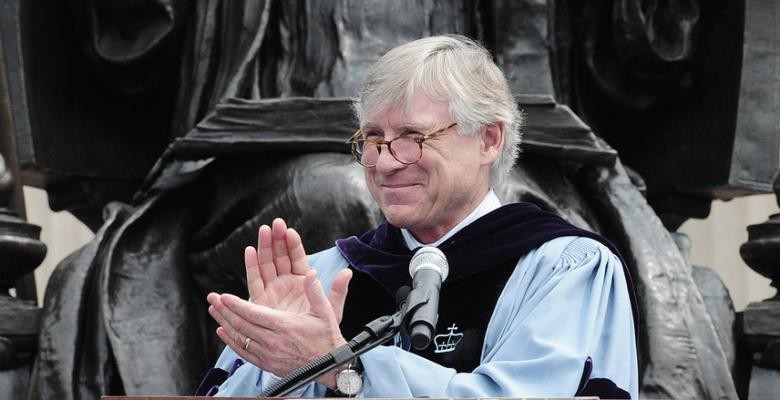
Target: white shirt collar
x=488, y=204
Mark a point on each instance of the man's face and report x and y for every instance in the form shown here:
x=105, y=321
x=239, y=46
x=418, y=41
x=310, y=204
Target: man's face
x=444, y=186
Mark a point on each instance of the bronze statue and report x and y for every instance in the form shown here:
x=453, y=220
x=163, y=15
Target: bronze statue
x=204, y=120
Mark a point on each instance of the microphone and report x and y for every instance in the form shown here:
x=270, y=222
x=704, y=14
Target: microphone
x=428, y=269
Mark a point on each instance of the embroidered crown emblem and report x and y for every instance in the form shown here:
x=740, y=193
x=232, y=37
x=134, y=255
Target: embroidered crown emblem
x=446, y=343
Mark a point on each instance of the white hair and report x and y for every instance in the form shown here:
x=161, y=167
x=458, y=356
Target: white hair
x=453, y=69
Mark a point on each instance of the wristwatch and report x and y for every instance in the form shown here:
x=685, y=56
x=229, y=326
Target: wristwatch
x=349, y=381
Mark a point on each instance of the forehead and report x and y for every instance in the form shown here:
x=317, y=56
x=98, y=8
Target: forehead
x=420, y=112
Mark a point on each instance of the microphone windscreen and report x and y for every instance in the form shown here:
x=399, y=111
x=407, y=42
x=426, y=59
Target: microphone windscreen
x=429, y=257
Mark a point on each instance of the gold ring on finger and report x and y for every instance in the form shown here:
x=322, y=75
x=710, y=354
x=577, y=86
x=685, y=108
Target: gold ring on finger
x=246, y=343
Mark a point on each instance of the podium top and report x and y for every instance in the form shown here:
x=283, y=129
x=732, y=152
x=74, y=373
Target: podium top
x=391, y=398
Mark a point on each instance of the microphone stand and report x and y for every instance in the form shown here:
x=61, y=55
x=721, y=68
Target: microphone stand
x=376, y=332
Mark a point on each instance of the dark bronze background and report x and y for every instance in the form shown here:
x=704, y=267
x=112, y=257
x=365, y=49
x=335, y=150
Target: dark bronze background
x=174, y=128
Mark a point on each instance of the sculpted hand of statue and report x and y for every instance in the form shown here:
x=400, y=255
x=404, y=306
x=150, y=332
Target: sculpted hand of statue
x=289, y=319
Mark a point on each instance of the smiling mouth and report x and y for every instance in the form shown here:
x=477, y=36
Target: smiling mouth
x=399, y=185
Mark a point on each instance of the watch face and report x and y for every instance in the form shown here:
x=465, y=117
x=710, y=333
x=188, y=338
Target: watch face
x=349, y=382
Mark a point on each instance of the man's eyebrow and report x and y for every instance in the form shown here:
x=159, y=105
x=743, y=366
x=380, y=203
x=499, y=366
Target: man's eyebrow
x=413, y=127
x=402, y=127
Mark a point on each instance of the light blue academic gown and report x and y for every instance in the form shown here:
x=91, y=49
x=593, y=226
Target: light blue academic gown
x=566, y=302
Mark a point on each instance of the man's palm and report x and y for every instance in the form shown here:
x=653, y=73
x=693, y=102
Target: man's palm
x=285, y=293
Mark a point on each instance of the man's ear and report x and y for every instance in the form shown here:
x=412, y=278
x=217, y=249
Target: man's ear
x=492, y=142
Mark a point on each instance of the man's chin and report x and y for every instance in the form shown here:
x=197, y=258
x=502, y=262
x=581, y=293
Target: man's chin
x=400, y=216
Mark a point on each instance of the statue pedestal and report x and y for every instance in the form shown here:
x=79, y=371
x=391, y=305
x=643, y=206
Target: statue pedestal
x=21, y=252
x=764, y=383
x=761, y=326
x=761, y=320
x=18, y=344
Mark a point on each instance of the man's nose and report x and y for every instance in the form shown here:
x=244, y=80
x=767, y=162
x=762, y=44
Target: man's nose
x=386, y=162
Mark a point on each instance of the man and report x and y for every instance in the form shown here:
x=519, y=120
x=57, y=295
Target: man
x=532, y=306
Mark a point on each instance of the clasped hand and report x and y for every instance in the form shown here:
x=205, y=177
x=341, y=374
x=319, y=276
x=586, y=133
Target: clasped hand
x=289, y=320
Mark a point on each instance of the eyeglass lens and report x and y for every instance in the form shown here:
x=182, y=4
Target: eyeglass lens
x=405, y=149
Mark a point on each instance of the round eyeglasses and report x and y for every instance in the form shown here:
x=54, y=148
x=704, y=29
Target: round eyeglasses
x=406, y=149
